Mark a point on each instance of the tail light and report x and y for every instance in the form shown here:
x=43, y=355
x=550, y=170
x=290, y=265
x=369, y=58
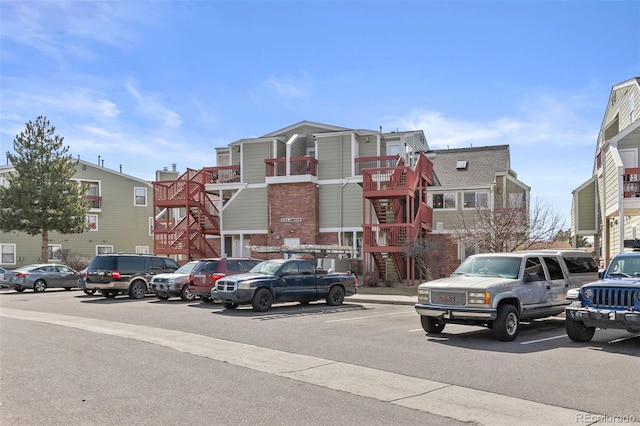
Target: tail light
x=22, y=274
x=115, y=275
x=216, y=277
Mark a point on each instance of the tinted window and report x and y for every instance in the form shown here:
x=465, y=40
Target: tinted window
x=555, y=271
x=131, y=264
x=206, y=266
x=103, y=262
x=233, y=266
x=577, y=265
x=170, y=263
x=157, y=263
x=246, y=265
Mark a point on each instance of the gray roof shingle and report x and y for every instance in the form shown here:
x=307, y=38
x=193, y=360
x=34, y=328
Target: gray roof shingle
x=482, y=164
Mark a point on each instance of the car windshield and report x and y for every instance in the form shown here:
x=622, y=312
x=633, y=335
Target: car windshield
x=186, y=268
x=624, y=266
x=504, y=267
x=268, y=267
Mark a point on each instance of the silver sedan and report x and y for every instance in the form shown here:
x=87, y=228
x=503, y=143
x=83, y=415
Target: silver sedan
x=41, y=276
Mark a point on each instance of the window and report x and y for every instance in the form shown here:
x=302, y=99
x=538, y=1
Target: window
x=469, y=251
x=516, y=200
x=140, y=196
x=93, y=195
x=473, y=200
x=54, y=251
x=8, y=254
x=142, y=249
x=553, y=266
x=151, y=226
x=462, y=165
x=104, y=249
x=533, y=269
x=444, y=201
x=92, y=222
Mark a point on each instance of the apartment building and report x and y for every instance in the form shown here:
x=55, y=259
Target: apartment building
x=312, y=184
x=606, y=206
x=120, y=218
x=466, y=179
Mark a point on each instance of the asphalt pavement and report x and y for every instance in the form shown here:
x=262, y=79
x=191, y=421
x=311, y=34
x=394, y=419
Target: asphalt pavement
x=392, y=299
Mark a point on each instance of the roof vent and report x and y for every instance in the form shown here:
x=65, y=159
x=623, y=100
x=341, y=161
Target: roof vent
x=462, y=165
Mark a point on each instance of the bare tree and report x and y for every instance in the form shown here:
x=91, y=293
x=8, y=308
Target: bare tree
x=510, y=228
x=428, y=255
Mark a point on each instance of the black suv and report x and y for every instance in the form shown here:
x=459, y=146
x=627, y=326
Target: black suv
x=121, y=273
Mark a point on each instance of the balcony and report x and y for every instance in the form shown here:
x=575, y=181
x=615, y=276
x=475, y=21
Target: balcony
x=297, y=166
x=375, y=162
x=94, y=201
x=221, y=174
x=631, y=183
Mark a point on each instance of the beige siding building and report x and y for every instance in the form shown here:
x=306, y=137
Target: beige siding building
x=120, y=219
x=607, y=206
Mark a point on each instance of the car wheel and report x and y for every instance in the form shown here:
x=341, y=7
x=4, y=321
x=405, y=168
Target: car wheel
x=137, y=290
x=206, y=299
x=507, y=323
x=19, y=289
x=262, y=300
x=186, y=294
x=576, y=330
x=39, y=286
x=431, y=325
x=89, y=291
x=336, y=296
x=229, y=305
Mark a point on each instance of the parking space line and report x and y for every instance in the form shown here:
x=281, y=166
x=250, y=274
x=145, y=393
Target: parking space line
x=543, y=340
x=371, y=316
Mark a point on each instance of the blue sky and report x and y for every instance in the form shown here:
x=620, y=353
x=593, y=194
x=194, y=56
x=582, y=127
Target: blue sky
x=143, y=85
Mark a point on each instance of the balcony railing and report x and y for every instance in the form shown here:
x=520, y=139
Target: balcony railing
x=306, y=165
x=222, y=174
x=375, y=162
x=94, y=201
x=631, y=183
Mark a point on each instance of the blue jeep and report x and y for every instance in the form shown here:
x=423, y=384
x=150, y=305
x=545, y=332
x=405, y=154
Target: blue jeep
x=611, y=302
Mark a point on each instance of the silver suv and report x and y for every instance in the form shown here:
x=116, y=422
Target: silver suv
x=121, y=273
x=499, y=290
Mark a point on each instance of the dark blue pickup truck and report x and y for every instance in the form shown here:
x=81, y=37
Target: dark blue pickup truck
x=283, y=280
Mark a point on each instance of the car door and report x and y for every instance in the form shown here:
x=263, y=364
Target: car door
x=533, y=290
x=292, y=282
x=67, y=276
x=557, y=284
x=51, y=275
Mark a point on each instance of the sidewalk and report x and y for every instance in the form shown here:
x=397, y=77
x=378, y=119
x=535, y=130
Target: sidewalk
x=393, y=299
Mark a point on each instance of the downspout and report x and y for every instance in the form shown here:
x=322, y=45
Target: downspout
x=341, y=185
x=620, y=210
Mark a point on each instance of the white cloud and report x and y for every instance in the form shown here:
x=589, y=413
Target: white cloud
x=289, y=88
x=66, y=28
x=150, y=105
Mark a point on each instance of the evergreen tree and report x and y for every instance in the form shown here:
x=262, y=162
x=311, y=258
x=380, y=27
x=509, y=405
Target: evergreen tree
x=41, y=197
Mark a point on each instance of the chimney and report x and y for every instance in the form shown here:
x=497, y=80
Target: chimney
x=173, y=167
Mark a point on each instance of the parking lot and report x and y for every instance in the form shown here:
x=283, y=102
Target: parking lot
x=541, y=366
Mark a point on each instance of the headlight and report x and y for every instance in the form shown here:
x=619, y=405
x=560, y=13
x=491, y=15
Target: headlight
x=423, y=295
x=587, y=293
x=171, y=281
x=475, y=298
x=246, y=285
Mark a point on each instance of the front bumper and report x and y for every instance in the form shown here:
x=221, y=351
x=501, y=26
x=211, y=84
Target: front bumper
x=238, y=297
x=456, y=313
x=605, y=318
x=166, y=289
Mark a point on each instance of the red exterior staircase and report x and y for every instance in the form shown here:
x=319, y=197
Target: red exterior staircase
x=395, y=214
x=188, y=235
